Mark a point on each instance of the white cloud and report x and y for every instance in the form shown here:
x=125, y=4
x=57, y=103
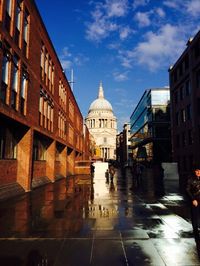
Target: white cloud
x=159, y=49
x=114, y=46
x=66, y=64
x=125, y=32
x=120, y=76
x=173, y=3
x=160, y=12
x=67, y=60
x=65, y=52
x=99, y=30
x=193, y=8
x=137, y=3
x=116, y=8
x=142, y=19
x=104, y=19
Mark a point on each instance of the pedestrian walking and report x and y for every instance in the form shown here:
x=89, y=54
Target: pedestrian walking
x=138, y=174
x=107, y=176
x=92, y=168
x=193, y=190
x=158, y=175
x=111, y=172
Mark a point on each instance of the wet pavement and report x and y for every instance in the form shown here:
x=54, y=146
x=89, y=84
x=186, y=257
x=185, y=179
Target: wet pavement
x=84, y=221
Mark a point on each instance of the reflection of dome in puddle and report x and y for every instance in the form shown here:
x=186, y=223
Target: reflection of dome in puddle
x=100, y=189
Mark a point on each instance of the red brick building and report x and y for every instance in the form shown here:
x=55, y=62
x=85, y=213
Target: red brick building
x=41, y=127
x=185, y=109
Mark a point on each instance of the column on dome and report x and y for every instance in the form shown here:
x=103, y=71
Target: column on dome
x=106, y=123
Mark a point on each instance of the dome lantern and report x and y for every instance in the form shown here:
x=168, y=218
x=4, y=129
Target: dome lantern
x=101, y=93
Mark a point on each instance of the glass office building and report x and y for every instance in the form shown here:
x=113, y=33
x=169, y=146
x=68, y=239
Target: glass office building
x=150, y=126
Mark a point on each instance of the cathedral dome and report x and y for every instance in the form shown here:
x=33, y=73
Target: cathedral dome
x=100, y=104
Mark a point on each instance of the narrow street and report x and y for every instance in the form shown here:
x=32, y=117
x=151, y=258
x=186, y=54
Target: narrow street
x=88, y=221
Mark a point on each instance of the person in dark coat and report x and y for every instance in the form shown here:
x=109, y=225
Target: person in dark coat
x=193, y=190
x=158, y=173
x=92, y=169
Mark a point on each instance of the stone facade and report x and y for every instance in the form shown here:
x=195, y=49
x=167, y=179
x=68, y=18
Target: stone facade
x=102, y=124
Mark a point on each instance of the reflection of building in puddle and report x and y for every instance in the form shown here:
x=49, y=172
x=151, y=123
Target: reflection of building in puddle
x=103, y=211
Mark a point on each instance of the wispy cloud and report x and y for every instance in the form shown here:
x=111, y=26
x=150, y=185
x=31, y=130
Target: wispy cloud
x=158, y=49
x=138, y=3
x=193, y=8
x=104, y=20
x=160, y=12
x=67, y=60
x=116, y=8
x=100, y=29
x=143, y=19
x=120, y=76
x=125, y=32
x=172, y=3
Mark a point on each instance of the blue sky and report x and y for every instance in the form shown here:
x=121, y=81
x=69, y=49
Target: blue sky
x=127, y=44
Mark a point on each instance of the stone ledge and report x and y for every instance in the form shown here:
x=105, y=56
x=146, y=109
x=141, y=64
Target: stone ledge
x=40, y=181
x=10, y=190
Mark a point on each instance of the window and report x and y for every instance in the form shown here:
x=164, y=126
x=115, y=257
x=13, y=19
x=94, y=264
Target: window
x=8, y=143
x=42, y=55
x=46, y=67
x=176, y=97
x=190, y=160
x=175, y=76
x=183, y=116
x=18, y=23
x=62, y=128
x=15, y=82
x=198, y=106
x=71, y=110
x=52, y=79
x=23, y=92
x=177, y=141
x=180, y=69
x=62, y=96
x=190, y=139
x=184, y=163
x=188, y=110
x=49, y=71
x=196, y=50
x=186, y=61
x=41, y=106
x=177, y=118
x=181, y=93
x=46, y=110
x=198, y=79
x=5, y=75
x=26, y=32
x=183, y=140
x=105, y=140
x=39, y=150
x=8, y=15
x=187, y=88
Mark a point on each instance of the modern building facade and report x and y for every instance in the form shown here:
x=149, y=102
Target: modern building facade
x=150, y=127
x=124, y=149
x=41, y=126
x=102, y=124
x=185, y=108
